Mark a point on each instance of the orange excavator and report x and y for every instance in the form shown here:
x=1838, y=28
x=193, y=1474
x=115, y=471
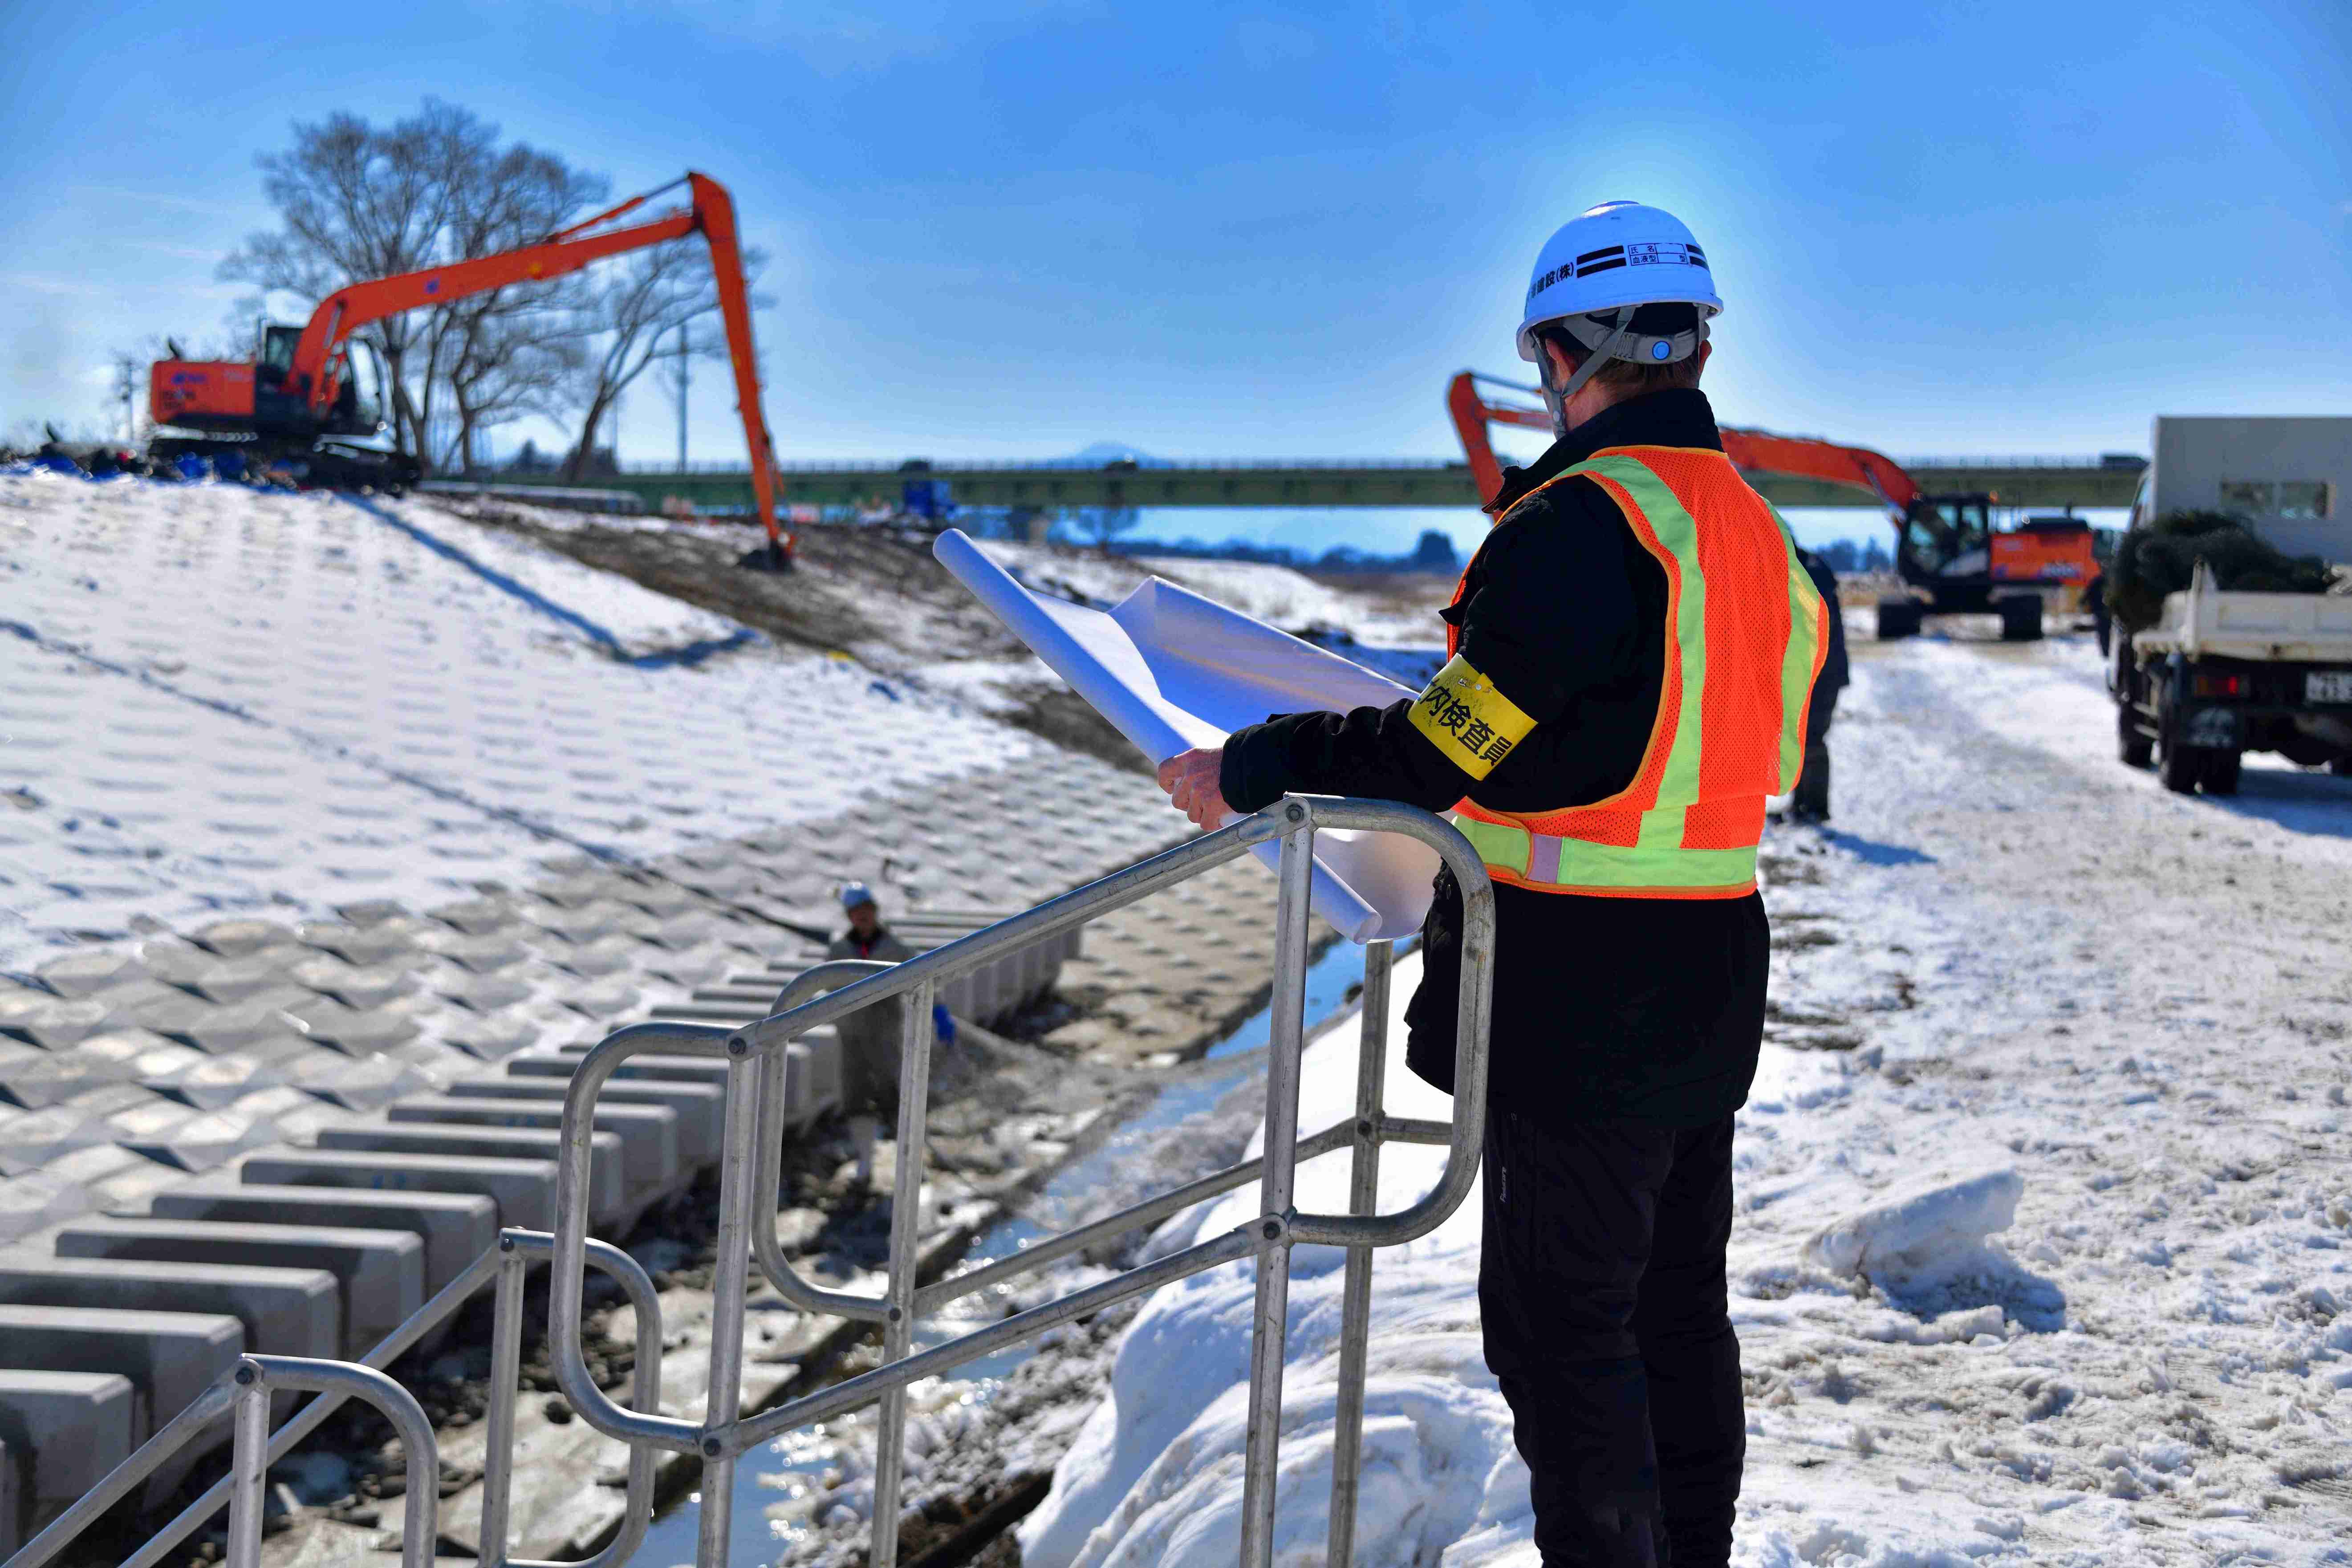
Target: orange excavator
x=1947, y=550
x=307, y=387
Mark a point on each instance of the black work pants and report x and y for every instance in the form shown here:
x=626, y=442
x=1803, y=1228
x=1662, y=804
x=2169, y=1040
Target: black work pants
x=1601, y=1290
x=1811, y=796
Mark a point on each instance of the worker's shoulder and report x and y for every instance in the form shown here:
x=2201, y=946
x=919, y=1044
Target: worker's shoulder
x=1562, y=521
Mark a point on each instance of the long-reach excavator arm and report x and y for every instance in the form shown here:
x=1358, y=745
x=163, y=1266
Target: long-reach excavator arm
x=313, y=380
x=1758, y=451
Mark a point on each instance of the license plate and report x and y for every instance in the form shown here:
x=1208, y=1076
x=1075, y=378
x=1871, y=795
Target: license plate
x=2328, y=686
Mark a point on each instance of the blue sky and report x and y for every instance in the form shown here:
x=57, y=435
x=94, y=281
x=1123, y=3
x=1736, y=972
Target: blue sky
x=1010, y=230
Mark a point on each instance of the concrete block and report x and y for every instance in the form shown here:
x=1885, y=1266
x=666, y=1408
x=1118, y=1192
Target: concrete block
x=455, y=1227
x=648, y=1133
x=609, y=1194
x=381, y=1271
x=169, y=1357
x=36, y=1200
x=701, y=1108
x=285, y=1311
x=75, y=1425
x=524, y=1190
x=565, y=1062
x=361, y=1083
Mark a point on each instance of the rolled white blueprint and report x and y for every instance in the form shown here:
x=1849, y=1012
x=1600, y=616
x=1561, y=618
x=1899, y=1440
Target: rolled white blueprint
x=1171, y=670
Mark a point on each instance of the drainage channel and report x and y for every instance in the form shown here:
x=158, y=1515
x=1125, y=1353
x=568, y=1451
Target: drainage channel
x=1147, y=1153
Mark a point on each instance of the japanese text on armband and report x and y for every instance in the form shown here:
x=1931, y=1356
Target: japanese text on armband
x=1465, y=717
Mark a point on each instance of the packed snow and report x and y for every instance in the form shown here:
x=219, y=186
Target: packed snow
x=216, y=700
x=2045, y=1215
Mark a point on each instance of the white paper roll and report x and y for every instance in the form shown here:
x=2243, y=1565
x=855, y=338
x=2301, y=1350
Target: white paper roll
x=1171, y=670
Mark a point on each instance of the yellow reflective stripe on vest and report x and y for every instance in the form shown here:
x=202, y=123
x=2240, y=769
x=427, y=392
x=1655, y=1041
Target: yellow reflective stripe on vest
x=1808, y=630
x=1544, y=860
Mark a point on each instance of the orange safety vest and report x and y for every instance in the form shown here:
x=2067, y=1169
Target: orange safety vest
x=1745, y=634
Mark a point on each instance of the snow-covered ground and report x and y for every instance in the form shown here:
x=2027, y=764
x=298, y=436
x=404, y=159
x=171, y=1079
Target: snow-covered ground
x=2044, y=1197
x=213, y=700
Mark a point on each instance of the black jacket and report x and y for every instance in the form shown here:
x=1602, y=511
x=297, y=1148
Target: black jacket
x=1647, y=1010
x=1834, y=675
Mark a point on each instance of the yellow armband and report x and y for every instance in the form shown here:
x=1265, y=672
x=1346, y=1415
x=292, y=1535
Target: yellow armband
x=1465, y=717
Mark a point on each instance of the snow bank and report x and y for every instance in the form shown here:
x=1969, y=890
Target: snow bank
x=1921, y=1237
x=1155, y=1476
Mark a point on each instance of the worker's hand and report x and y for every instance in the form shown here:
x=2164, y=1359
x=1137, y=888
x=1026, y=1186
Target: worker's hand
x=1190, y=780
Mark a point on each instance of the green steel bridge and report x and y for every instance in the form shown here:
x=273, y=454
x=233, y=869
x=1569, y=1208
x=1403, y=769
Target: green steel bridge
x=2036, y=482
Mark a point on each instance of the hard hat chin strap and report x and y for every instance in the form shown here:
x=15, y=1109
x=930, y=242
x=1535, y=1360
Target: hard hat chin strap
x=1556, y=398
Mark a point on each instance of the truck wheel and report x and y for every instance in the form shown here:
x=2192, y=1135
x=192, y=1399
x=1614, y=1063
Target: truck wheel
x=2020, y=617
x=2134, y=747
x=2180, y=768
x=1897, y=618
x=2221, y=772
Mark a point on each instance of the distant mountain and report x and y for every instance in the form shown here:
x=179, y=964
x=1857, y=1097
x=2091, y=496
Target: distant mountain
x=1102, y=452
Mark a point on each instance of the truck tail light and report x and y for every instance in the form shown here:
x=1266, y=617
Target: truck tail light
x=2220, y=686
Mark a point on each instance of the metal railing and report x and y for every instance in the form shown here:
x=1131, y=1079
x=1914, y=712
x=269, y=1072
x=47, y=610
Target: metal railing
x=757, y=1066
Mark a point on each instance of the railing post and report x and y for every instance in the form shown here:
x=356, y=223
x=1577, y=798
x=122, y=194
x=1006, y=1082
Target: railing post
x=1270, y=1326
x=1356, y=1295
x=905, y=1239
x=248, y=1469
x=499, y=1419
x=723, y=1405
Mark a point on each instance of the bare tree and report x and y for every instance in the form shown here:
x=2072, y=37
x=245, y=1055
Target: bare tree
x=358, y=202
x=631, y=311
x=1101, y=524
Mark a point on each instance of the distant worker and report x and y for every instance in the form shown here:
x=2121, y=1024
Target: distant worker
x=870, y=1037
x=1809, y=801
x=1632, y=649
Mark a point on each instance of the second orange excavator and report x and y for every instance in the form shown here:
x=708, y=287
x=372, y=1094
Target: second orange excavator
x=1951, y=556
x=306, y=389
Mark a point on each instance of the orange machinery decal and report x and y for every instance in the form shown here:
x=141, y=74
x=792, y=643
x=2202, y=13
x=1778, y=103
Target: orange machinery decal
x=190, y=390
x=2044, y=555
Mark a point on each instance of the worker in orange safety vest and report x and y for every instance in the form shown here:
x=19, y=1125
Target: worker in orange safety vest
x=1630, y=653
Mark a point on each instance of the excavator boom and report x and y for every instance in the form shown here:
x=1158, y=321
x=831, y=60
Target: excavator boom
x=1757, y=451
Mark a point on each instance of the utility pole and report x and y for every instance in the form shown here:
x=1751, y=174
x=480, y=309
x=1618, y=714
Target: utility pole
x=126, y=381
x=682, y=379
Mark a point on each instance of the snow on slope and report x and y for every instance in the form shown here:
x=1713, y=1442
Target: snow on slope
x=2044, y=1245
x=218, y=700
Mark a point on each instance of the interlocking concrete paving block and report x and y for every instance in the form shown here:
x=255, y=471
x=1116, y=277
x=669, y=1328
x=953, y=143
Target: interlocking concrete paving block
x=650, y=1143
x=74, y=1425
x=379, y=943
x=208, y=1083
x=38, y=1200
x=609, y=1197
x=210, y=1027
x=701, y=1107
x=455, y=1227
x=131, y=1187
x=524, y=1190
x=44, y=1079
x=169, y=1357
x=491, y=1038
x=192, y=1140
x=357, y=1083
x=78, y=975
x=357, y=988
x=481, y=993
x=381, y=1271
x=482, y=954
x=599, y=959
x=475, y=917
x=236, y=938
x=48, y=1021
x=221, y=980
x=354, y=1031
x=285, y=1311
x=39, y=1138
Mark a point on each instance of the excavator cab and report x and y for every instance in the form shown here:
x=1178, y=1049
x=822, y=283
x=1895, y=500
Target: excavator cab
x=358, y=407
x=1945, y=537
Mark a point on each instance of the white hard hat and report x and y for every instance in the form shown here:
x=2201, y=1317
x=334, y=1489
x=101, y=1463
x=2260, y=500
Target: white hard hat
x=1612, y=257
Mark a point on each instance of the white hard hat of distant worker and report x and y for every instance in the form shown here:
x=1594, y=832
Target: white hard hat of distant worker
x=1595, y=277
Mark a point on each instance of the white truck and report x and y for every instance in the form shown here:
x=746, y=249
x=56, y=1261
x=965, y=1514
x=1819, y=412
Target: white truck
x=2225, y=672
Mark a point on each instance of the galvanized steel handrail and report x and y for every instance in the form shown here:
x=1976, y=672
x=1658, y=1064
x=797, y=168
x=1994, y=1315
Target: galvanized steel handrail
x=750, y=1171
